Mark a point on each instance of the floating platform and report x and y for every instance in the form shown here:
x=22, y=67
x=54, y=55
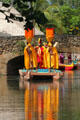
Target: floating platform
x=29, y=74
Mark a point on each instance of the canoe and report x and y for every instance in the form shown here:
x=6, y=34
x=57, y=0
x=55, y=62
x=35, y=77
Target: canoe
x=67, y=67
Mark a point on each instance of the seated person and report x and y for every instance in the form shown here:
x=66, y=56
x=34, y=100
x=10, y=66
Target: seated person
x=69, y=58
x=61, y=58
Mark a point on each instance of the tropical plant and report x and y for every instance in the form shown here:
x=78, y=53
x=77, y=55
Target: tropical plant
x=29, y=11
x=64, y=15
x=54, y=17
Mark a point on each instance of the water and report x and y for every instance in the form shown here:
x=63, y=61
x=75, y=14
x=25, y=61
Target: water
x=11, y=99
x=69, y=108
x=40, y=99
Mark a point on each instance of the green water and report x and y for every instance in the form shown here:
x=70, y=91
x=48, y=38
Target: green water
x=70, y=96
x=40, y=99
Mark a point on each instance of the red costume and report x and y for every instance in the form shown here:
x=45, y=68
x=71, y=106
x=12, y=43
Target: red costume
x=40, y=53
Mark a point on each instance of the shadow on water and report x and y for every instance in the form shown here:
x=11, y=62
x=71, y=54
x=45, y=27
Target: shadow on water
x=40, y=79
x=14, y=65
x=13, y=82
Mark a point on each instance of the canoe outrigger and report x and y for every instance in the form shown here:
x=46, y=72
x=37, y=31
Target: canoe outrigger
x=66, y=66
x=72, y=64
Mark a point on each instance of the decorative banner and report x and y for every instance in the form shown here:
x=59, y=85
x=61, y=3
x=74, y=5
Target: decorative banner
x=29, y=34
x=50, y=32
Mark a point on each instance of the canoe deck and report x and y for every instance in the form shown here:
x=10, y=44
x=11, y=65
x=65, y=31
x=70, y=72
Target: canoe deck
x=42, y=74
x=25, y=75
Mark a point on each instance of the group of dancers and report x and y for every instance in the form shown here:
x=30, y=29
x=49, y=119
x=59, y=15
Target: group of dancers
x=41, y=56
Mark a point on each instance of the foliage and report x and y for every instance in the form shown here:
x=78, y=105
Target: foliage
x=70, y=3
x=70, y=18
x=66, y=12
x=6, y=1
x=64, y=15
x=29, y=11
x=54, y=17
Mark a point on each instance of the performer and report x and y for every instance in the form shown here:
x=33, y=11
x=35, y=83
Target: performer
x=41, y=54
x=30, y=57
x=52, y=54
x=52, y=57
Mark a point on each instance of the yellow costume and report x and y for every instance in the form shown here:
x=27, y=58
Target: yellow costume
x=52, y=54
x=52, y=60
x=30, y=60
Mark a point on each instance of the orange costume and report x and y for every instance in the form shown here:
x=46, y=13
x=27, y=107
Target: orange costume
x=51, y=52
x=30, y=56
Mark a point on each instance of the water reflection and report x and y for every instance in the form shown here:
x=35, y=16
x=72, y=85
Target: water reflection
x=42, y=101
x=11, y=99
x=70, y=96
x=71, y=80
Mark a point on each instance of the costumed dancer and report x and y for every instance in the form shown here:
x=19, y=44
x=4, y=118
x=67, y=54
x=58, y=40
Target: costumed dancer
x=41, y=56
x=52, y=57
x=52, y=54
x=30, y=56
